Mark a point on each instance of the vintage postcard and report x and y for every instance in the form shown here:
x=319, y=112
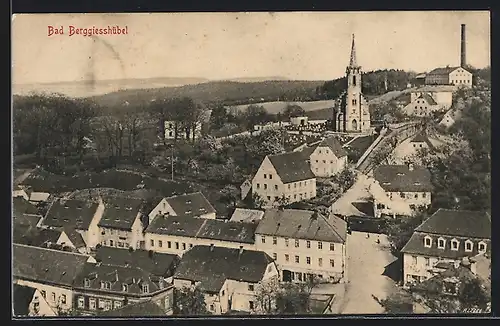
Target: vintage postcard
x=251, y=164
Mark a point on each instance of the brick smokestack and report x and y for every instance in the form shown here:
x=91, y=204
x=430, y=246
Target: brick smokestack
x=463, y=57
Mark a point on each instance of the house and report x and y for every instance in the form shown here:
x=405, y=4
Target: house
x=22, y=206
x=158, y=264
x=101, y=287
x=188, y=205
x=75, y=216
x=19, y=191
x=446, y=236
x=247, y=215
x=37, y=197
x=327, y=158
x=29, y=302
x=228, y=277
x=246, y=188
x=303, y=244
x=39, y=237
x=121, y=224
x=442, y=95
x=177, y=234
x=450, y=117
x=421, y=140
x=286, y=175
x=457, y=76
x=26, y=220
x=51, y=272
x=299, y=121
x=410, y=147
x=422, y=106
x=147, y=308
x=411, y=183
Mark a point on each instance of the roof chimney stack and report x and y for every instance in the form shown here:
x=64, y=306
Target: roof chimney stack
x=211, y=247
x=463, y=57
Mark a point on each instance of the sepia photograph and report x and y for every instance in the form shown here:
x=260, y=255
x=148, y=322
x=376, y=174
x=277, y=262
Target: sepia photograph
x=251, y=164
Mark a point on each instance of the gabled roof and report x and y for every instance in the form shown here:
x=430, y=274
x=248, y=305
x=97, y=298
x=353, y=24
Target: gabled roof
x=188, y=205
x=422, y=138
x=426, y=97
x=70, y=213
x=302, y=224
x=120, y=213
x=159, y=264
x=212, y=266
x=22, y=206
x=23, y=295
x=292, y=166
x=246, y=215
x=175, y=225
x=334, y=145
x=394, y=178
x=140, y=309
x=46, y=265
x=442, y=71
x=75, y=237
x=26, y=220
x=458, y=223
x=35, y=236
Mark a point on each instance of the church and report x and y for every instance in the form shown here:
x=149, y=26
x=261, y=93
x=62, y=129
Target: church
x=351, y=113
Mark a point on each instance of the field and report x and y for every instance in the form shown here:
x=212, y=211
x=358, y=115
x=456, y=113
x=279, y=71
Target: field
x=278, y=106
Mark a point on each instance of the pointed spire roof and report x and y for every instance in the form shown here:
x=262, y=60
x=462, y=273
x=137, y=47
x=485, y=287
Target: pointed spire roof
x=352, y=61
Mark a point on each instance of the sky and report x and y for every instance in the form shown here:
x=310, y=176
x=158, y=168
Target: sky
x=296, y=45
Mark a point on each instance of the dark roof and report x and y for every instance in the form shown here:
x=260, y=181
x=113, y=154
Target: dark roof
x=365, y=207
x=428, y=99
x=442, y=71
x=300, y=224
x=23, y=295
x=395, y=178
x=361, y=143
x=70, y=213
x=435, y=283
x=203, y=228
x=34, y=236
x=22, y=206
x=458, y=223
x=140, y=309
x=212, y=266
x=416, y=246
x=40, y=264
x=120, y=213
x=75, y=237
x=422, y=137
x=334, y=145
x=194, y=204
x=292, y=166
x=117, y=276
x=159, y=264
x=26, y=219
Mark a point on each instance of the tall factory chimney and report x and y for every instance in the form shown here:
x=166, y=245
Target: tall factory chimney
x=462, y=47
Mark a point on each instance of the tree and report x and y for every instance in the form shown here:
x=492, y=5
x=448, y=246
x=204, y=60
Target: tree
x=282, y=201
x=399, y=231
x=396, y=303
x=189, y=302
x=229, y=195
x=255, y=201
x=265, y=296
x=219, y=116
x=345, y=179
x=293, y=110
x=254, y=115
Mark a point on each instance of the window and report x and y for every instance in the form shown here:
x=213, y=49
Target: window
x=275, y=240
x=92, y=304
x=288, y=187
x=169, y=244
x=332, y=247
x=402, y=194
x=468, y=246
x=320, y=262
x=324, y=161
x=286, y=242
x=160, y=243
x=81, y=302
x=441, y=243
x=275, y=256
x=223, y=292
x=258, y=185
x=296, y=243
x=263, y=239
x=414, y=260
x=145, y=288
x=271, y=176
x=107, y=305
x=250, y=287
x=427, y=242
x=125, y=287
x=320, y=245
x=482, y=246
x=177, y=245
x=152, y=243
x=53, y=297
x=265, y=185
x=86, y=283
x=211, y=307
x=454, y=244
x=308, y=260
x=332, y=263
x=63, y=298
x=308, y=244
x=295, y=184
x=287, y=257
x=117, y=304
x=190, y=245
x=268, y=197
x=275, y=187
x=44, y=294
x=250, y=305
x=416, y=195
x=183, y=246
x=427, y=261
x=111, y=243
x=265, y=176
x=297, y=259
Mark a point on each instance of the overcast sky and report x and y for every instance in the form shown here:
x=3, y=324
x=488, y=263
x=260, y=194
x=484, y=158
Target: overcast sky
x=309, y=45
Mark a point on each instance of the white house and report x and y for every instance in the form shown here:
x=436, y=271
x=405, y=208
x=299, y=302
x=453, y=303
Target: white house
x=441, y=94
x=286, y=175
x=408, y=148
x=457, y=76
x=186, y=205
x=450, y=117
x=228, y=277
x=29, y=302
x=445, y=237
x=422, y=106
x=19, y=191
x=327, y=158
x=303, y=244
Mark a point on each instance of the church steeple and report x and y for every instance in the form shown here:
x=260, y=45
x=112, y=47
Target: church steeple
x=352, y=62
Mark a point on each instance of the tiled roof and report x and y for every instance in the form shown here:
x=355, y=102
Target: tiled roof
x=422, y=137
x=458, y=223
x=213, y=265
x=70, y=213
x=35, y=236
x=334, y=145
x=47, y=265
x=203, y=228
x=75, y=237
x=442, y=71
x=301, y=224
x=140, y=309
x=159, y=264
x=26, y=219
x=23, y=295
x=292, y=166
x=246, y=215
x=120, y=213
x=428, y=99
x=394, y=178
x=416, y=246
x=188, y=205
x=39, y=196
x=22, y=206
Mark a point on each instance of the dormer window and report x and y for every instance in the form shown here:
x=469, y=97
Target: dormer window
x=427, y=242
x=145, y=288
x=468, y=246
x=454, y=244
x=441, y=243
x=86, y=283
x=482, y=246
x=125, y=287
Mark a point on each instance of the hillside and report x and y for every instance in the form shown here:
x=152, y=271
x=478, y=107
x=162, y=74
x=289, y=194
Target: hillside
x=279, y=106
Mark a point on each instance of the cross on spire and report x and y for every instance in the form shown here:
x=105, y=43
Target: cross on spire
x=352, y=61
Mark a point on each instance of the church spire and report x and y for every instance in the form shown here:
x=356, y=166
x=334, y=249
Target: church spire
x=352, y=61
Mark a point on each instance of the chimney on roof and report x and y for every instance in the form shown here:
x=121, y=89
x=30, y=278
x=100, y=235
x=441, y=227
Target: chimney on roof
x=211, y=247
x=463, y=41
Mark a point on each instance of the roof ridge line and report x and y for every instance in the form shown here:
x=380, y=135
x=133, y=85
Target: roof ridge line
x=201, y=227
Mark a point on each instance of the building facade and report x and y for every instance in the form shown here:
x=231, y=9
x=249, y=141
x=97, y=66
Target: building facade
x=441, y=94
x=188, y=205
x=457, y=76
x=29, y=302
x=328, y=158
